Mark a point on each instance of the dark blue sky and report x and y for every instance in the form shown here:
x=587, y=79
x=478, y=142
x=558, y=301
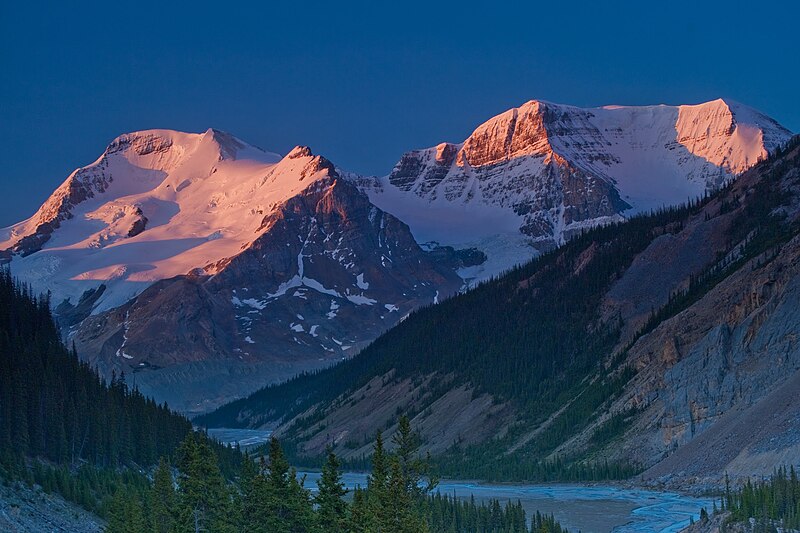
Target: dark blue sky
x=362, y=83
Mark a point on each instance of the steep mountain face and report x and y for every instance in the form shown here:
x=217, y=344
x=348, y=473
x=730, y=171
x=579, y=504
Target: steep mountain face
x=668, y=342
x=722, y=374
x=544, y=172
x=156, y=204
x=282, y=305
x=209, y=268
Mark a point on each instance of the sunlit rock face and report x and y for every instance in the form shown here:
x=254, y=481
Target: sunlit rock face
x=560, y=169
x=204, y=267
x=209, y=266
x=716, y=367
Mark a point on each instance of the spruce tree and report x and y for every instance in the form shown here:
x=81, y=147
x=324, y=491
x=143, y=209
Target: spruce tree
x=288, y=507
x=204, y=499
x=360, y=512
x=257, y=500
x=162, y=500
x=126, y=514
x=402, y=514
x=278, y=466
x=412, y=468
x=377, y=487
x=331, y=507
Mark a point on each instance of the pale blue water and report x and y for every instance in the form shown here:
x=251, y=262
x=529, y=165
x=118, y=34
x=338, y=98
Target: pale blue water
x=244, y=437
x=589, y=509
x=584, y=508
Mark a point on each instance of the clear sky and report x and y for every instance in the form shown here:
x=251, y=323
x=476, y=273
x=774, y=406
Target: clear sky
x=359, y=82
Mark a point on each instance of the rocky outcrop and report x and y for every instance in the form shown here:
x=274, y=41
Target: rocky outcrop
x=716, y=382
x=328, y=274
x=139, y=223
x=31, y=510
x=83, y=184
x=562, y=169
x=707, y=376
x=706, y=310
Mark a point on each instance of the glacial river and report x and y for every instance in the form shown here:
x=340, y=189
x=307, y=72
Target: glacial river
x=584, y=508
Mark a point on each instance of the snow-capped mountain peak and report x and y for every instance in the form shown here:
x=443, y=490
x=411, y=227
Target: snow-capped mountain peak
x=156, y=204
x=196, y=254
x=536, y=174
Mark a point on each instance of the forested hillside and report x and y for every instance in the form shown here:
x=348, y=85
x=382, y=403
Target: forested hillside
x=523, y=364
x=65, y=430
x=533, y=339
x=61, y=425
x=53, y=406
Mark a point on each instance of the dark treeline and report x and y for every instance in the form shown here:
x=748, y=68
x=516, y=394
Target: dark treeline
x=267, y=496
x=481, y=463
x=448, y=514
x=770, y=503
x=54, y=406
x=63, y=427
x=478, y=463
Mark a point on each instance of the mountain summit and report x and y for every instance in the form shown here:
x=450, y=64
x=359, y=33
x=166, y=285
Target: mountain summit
x=156, y=204
x=209, y=266
x=666, y=345
x=543, y=172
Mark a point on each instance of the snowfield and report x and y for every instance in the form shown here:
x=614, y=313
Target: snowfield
x=204, y=197
x=480, y=193
x=161, y=203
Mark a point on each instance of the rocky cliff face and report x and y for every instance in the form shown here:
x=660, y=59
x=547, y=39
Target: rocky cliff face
x=82, y=185
x=707, y=318
x=329, y=273
x=723, y=372
x=201, y=263
x=715, y=387
x=555, y=170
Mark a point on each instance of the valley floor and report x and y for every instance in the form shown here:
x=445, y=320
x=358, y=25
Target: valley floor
x=588, y=508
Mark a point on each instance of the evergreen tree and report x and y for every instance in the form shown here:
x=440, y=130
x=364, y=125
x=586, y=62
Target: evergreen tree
x=247, y=506
x=331, y=507
x=287, y=504
x=360, y=512
x=402, y=514
x=126, y=514
x=412, y=468
x=203, y=496
x=377, y=499
x=257, y=505
x=162, y=500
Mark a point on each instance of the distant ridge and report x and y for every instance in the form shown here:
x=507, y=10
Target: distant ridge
x=210, y=267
